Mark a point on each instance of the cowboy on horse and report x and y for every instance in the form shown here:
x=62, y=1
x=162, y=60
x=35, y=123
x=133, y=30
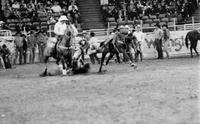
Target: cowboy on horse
x=62, y=50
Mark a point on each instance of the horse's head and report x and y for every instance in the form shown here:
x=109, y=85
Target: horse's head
x=66, y=40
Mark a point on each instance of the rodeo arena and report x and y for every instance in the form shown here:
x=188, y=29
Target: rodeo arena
x=99, y=62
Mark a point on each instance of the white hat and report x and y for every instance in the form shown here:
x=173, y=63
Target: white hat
x=126, y=26
x=1, y=22
x=138, y=26
x=63, y=18
x=120, y=27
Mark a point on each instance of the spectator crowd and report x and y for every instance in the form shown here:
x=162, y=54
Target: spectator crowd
x=135, y=9
x=34, y=10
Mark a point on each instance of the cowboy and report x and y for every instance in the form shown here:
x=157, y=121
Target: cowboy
x=1, y=59
x=93, y=49
x=140, y=39
x=41, y=42
x=63, y=25
x=31, y=43
x=158, y=40
x=5, y=53
x=19, y=43
x=165, y=39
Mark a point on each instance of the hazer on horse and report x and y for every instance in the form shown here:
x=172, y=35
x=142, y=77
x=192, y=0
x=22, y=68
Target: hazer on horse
x=115, y=44
x=62, y=50
x=193, y=37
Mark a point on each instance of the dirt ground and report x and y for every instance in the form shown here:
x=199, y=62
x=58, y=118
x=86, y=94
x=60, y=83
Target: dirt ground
x=157, y=92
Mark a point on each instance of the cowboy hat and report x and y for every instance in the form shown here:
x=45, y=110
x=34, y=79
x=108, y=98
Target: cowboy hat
x=138, y=26
x=1, y=22
x=126, y=26
x=63, y=18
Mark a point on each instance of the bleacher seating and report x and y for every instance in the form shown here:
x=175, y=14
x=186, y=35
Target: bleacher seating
x=149, y=18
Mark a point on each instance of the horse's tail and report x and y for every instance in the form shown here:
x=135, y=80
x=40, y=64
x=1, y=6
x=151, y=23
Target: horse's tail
x=186, y=40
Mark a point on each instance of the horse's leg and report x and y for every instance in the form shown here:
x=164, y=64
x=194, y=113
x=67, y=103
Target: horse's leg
x=136, y=56
x=102, y=60
x=195, y=48
x=64, y=72
x=118, y=58
x=191, y=51
x=110, y=57
x=141, y=56
x=57, y=61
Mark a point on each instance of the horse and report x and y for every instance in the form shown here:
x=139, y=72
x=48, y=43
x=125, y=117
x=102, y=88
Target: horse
x=61, y=51
x=113, y=46
x=193, y=37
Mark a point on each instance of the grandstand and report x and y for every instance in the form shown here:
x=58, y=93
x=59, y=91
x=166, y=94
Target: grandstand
x=92, y=14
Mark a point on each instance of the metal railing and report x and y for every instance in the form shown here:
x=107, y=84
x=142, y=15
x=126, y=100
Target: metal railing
x=174, y=27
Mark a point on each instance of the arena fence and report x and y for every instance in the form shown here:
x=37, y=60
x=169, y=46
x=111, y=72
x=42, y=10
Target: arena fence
x=172, y=26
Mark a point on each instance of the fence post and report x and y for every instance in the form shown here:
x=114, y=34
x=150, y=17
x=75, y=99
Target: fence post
x=141, y=24
x=184, y=27
x=174, y=24
x=193, y=22
x=108, y=30
x=49, y=30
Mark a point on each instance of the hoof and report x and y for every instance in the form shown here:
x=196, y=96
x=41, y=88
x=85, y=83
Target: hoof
x=102, y=72
x=69, y=72
x=64, y=72
x=133, y=65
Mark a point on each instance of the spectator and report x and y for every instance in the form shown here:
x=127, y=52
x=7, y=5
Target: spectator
x=71, y=6
x=140, y=41
x=16, y=5
x=31, y=44
x=51, y=20
x=56, y=8
x=165, y=40
x=93, y=48
x=19, y=42
x=7, y=12
x=1, y=59
x=69, y=17
x=74, y=14
x=104, y=2
x=41, y=42
x=158, y=40
x=5, y=53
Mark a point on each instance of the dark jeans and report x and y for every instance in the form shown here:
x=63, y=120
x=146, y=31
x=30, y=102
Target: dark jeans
x=41, y=49
x=32, y=55
x=19, y=52
x=158, y=44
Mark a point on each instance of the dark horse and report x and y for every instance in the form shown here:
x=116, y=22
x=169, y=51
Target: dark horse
x=61, y=51
x=193, y=37
x=114, y=47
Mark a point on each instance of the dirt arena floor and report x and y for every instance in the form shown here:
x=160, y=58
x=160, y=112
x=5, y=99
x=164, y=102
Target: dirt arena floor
x=157, y=92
